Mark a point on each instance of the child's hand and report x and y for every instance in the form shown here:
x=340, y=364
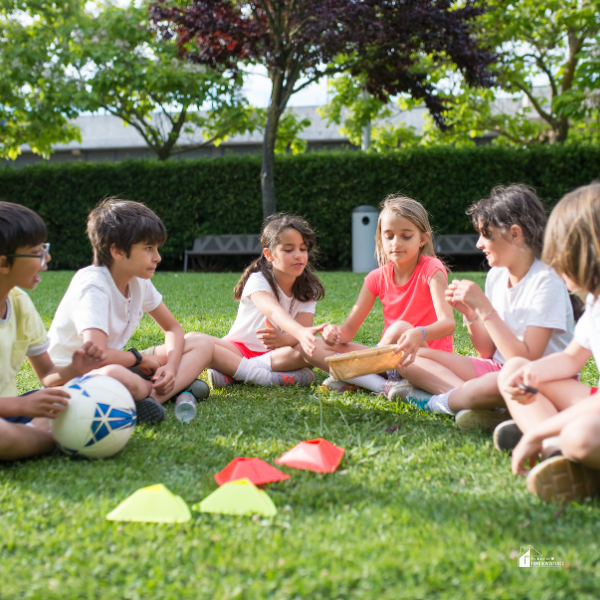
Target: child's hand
x=88, y=358
x=409, y=343
x=331, y=334
x=461, y=307
x=164, y=380
x=526, y=375
x=526, y=451
x=45, y=403
x=308, y=338
x=271, y=337
x=149, y=363
x=469, y=294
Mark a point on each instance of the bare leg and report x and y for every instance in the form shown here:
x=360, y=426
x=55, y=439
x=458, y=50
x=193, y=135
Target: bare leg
x=323, y=350
x=139, y=388
x=20, y=441
x=580, y=441
x=288, y=359
x=433, y=376
x=393, y=333
x=479, y=394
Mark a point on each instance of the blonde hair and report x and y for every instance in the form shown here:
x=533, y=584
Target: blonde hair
x=572, y=240
x=403, y=206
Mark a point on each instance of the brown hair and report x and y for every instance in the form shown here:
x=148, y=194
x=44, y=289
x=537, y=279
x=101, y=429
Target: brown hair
x=307, y=286
x=511, y=205
x=122, y=223
x=572, y=241
x=403, y=206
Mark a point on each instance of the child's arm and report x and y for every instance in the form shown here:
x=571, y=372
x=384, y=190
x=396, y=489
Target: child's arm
x=553, y=367
x=334, y=334
x=275, y=313
x=87, y=358
x=43, y=403
x=272, y=338
x=411, y=340
x=164, y=378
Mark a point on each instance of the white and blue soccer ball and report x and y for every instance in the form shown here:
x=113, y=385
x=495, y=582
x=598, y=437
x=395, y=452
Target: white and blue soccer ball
x=99, y=419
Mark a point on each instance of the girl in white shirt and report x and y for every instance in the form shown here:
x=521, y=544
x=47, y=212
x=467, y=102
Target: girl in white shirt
x=525, y=311
x=544, y=397
x=277, y=293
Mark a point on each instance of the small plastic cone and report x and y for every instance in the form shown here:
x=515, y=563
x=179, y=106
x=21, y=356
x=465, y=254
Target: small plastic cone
x=154, y=504
x=239, y=497
x=314, y=455
x=254, y=469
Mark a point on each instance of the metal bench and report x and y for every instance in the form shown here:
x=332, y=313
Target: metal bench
x=456, y=244
x=219, y=245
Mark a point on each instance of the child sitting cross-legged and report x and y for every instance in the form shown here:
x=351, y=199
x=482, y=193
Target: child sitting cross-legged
x=24, y=420
x=525, y=311
x=411, y=283
x=556, y=416
x=106, y=301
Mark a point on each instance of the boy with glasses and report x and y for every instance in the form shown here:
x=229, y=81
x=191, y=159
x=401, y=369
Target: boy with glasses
x=24, y=425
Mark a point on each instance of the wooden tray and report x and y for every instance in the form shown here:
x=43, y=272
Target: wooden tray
x=363, y=362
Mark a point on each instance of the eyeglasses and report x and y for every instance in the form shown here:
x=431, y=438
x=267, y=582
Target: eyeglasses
x=42, y=256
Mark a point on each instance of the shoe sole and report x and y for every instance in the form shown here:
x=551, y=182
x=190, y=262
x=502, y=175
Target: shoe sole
x=507, y=436
x=485, y=420
x=560, y=480
x=149, y=412
x=212, y=381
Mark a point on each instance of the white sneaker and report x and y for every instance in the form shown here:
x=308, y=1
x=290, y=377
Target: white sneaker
x=337, y=385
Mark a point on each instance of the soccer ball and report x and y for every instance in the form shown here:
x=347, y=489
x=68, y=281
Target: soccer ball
x=99, y=419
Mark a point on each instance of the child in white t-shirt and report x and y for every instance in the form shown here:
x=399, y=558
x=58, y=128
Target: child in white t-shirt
x=106, y=301
x=544, y=397
x=277, y=294
x=525, y=311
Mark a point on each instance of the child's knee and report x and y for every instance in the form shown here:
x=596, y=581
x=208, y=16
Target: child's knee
x=139, y=388
x=510, y=367
x=198, y=341
x=7, y=433
x=394, y=331
x=581, y=438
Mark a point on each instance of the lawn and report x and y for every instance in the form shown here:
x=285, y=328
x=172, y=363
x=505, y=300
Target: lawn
x=422, y=512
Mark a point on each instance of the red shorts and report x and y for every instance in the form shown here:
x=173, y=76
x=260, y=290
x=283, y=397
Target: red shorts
x=246, y=352
x=483, y=366
x=593, y=390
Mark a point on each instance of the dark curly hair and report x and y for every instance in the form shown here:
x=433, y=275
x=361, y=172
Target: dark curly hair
x=307, y=286
x=511, y=205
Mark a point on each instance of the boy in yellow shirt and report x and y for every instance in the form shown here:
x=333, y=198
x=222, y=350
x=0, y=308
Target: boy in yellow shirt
x=24, y=424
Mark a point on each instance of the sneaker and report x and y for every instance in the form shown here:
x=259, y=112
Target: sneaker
x=393, y=375
x=218, y=380
x=403, y=391
x=302, y=377
x=149, y=411
x=561, y=480
x=337, y=385
x=507, y=435
x=486, y=420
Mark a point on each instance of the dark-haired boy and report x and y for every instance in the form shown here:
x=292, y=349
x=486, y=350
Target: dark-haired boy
x=24, y=425
x=106, y=301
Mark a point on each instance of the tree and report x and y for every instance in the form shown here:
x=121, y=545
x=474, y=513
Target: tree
x=35, y=103
x=300, y=41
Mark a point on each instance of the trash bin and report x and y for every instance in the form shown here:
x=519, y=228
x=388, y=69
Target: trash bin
x=364, y=226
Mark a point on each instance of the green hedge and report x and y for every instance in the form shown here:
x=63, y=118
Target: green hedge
x=222, y=195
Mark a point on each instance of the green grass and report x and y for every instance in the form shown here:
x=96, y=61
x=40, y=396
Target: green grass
x=424, y=512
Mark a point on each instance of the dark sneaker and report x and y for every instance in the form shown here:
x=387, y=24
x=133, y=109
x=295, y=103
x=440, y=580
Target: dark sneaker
x=218, y=380
x=405, y=392
x=337, y=385
x=507, y=435
x=561, y=480
x=486, y=420
x=302, y=377
x=149, y=411
x=199, y=389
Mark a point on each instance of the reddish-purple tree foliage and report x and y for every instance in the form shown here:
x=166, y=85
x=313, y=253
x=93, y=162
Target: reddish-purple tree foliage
x=300, y=41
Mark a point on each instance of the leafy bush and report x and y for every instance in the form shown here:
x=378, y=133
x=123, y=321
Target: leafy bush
x=222, y=195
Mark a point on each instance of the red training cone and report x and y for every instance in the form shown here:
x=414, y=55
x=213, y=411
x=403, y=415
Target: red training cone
x=315, y=455
x=254, y=469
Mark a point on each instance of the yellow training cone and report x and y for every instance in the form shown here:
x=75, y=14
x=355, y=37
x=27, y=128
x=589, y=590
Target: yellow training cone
x=240, y=497
x=154, y=504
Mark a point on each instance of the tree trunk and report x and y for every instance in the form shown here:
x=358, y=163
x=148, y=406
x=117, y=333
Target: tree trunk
x=267, y=171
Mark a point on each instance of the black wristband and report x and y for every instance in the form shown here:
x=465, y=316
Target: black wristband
x=138, y=356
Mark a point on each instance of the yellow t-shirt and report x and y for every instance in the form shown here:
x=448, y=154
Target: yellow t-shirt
x=22, y=334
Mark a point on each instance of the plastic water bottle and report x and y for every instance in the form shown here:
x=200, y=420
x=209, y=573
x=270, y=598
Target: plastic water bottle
x=185, y=407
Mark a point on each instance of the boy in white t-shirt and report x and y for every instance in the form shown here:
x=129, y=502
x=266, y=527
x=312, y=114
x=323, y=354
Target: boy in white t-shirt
x=24, y=425
x=106, y=301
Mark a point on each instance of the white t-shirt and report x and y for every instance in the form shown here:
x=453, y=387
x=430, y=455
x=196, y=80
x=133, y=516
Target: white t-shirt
x=540, y=299
x=93, y=301
x=249, y=318
x=587, y=330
